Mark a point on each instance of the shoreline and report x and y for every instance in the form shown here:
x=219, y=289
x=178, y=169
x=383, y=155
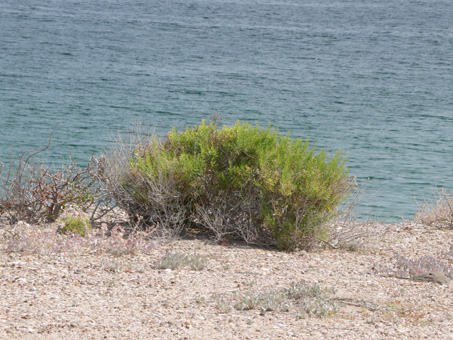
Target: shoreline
x=83, y=294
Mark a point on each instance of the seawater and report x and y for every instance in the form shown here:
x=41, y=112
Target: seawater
x=374, y=78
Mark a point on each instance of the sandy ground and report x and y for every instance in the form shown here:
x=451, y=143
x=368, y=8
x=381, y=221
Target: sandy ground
x=87, y=295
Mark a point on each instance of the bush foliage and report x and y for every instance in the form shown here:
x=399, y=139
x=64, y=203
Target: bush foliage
x=241, y=181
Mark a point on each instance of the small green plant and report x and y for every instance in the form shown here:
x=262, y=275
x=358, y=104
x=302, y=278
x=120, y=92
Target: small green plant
x=238, y=182
x=200, y=300
x=174, y=260
x=75, y=225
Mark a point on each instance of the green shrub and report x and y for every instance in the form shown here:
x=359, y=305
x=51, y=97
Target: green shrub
x=240, y=181
x=75, y=225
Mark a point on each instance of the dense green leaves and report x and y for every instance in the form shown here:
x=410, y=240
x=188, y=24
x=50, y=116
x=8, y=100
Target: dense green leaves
x=252, y=175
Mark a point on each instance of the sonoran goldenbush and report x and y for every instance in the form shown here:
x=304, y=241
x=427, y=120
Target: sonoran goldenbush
x=241, y=181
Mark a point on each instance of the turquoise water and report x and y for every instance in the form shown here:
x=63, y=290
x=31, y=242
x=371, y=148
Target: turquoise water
x=374, y=78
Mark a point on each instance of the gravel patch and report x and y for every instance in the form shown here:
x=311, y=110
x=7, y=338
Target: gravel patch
x=86, y=295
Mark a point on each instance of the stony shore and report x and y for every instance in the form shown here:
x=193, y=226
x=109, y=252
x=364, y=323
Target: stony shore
x=85, y=294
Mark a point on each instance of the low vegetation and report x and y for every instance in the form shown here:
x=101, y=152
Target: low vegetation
x=35, y=193
x=304, y=299
x=175, y=260
x=236, y=183
x=30, y=239
x=239, y=182
x=75, y=225
x=424, y=268
x=439, y=212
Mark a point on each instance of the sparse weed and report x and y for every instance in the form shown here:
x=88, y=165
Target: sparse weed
x=25, y=238
x=246, y=301
x=306, y=299
x=438, y=213
x=174, y=260
x=222, y=303
x=409, y=268
x=350, y=233
x=112, y=266
x=268, y=301
x=353, y=236
x=116, y=266
x=200, y=300
x=313, y=300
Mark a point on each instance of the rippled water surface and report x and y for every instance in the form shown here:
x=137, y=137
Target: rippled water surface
x=374, y=78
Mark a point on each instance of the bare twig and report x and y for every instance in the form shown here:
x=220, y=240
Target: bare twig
x=37, y=193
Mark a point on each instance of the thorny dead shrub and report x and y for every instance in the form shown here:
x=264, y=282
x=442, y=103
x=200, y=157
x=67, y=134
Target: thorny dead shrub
x=239, y=182
x=439, y=213
x=35, y=193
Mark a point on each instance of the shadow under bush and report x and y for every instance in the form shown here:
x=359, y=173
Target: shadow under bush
x=239, y=182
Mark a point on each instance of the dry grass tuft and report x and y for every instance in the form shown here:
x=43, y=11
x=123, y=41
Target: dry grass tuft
x=439, y=213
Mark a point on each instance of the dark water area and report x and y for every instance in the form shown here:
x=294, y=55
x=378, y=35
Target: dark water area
x=374, y=78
